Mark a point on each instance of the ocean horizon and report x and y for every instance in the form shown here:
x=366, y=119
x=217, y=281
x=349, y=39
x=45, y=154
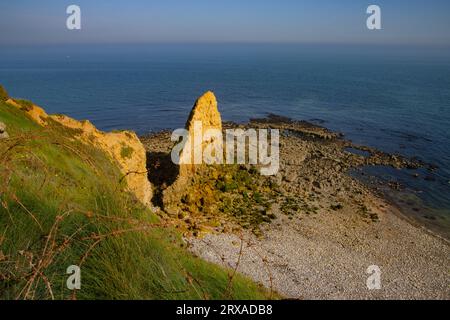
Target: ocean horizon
x=393, y=98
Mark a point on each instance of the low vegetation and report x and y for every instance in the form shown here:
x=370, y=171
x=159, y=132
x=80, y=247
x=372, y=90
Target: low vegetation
x=227, y=195
x=62, y=204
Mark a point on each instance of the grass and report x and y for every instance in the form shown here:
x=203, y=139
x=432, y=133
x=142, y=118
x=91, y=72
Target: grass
x=126, y=152
x=61, y=204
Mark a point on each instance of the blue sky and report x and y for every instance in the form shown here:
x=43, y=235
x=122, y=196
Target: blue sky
x=414, y=22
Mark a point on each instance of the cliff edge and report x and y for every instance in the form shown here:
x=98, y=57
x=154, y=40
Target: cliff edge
x=123, y=147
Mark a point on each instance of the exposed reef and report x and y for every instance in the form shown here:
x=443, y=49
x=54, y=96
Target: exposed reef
x=314, y=163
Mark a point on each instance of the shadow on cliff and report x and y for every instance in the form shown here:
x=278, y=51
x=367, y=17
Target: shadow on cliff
x=162, y=173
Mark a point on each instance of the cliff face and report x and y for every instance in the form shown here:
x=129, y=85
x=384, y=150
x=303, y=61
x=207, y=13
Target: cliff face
x=123, y=147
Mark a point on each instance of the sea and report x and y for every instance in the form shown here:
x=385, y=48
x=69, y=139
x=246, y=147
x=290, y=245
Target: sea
x=394, y=98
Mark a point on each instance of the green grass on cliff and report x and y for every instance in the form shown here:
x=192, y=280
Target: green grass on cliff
x=61, y=204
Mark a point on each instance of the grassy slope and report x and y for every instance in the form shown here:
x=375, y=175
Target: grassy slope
x=61, y=204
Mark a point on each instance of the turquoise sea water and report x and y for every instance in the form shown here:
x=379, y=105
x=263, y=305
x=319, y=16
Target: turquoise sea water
x=395, y=99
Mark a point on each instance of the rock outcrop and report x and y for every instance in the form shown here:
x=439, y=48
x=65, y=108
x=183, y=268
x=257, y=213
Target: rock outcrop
x=123, y=147
x=35, y=112
x=204, y=116
x=3, y=133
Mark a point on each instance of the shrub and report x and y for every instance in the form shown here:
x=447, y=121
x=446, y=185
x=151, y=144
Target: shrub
x=126, y=152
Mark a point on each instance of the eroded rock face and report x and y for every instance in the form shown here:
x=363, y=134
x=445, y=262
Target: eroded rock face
x=124, y=147
x=204, y=117
x=3, y=133
x=35, y=112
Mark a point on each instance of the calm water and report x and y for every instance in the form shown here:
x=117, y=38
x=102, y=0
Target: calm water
x=395, y=99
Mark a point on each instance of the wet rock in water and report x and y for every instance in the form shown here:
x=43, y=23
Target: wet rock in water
x=394, y=185
x=3, y=133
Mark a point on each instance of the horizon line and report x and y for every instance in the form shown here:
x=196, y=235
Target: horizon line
x=318, y=43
